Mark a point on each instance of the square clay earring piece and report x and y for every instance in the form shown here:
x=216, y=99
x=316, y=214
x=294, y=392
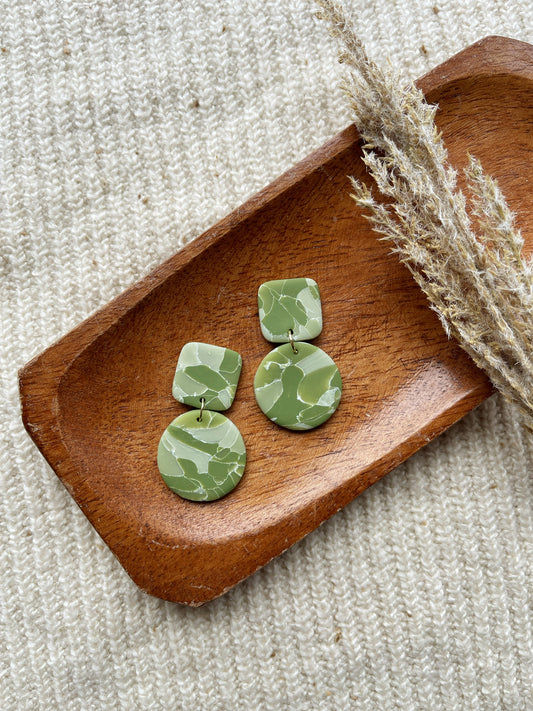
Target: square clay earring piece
x=290, y=305
x=209, y=372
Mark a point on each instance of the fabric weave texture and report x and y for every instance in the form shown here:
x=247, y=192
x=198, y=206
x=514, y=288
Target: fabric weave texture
x=126, y=129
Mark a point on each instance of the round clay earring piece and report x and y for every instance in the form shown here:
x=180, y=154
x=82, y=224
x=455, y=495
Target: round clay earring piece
x=201, y=455
x=298, y=390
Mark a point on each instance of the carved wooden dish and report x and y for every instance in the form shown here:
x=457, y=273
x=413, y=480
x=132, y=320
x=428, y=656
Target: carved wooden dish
x=97, y=401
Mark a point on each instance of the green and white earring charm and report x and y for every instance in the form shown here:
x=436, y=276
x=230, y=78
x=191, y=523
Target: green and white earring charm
x=297, y=385
x=201, y=454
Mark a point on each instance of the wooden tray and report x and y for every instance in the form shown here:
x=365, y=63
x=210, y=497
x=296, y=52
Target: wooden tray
x=96, y=402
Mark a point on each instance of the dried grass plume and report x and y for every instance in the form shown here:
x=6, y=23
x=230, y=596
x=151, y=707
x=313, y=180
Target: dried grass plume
x=475, y=278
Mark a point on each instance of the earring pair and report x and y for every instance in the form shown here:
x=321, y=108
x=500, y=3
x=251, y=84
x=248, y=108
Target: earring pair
x=201, y=454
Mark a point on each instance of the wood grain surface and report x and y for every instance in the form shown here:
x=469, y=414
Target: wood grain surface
x=96, y=402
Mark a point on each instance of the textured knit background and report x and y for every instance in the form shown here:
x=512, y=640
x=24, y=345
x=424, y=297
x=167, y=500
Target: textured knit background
x=127, y=128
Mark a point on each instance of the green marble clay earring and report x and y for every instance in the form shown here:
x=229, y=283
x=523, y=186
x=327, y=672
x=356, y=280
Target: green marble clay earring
x=201, y=454
x=297, y=385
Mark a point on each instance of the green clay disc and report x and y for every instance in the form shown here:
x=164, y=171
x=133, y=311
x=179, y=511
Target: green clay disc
x=201, y=461
x=298, y=390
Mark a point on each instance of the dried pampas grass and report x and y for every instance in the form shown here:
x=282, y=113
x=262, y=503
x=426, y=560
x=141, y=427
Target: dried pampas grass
x=477, y=281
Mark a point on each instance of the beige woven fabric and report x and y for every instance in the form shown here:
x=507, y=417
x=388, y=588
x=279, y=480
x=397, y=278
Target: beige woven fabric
x=126, y=129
